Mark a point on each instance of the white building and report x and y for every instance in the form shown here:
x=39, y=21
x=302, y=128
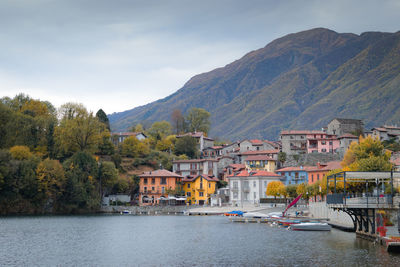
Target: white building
x=118, y=138
x=248, y=188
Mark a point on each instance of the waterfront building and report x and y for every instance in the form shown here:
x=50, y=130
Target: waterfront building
x=199, y=188
x=250, y=187
x=154, y=186
x=295, y=175
x=260, y=162
x=195, y=167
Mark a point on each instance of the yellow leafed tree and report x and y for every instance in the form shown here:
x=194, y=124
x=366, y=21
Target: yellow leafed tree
x=275, y=188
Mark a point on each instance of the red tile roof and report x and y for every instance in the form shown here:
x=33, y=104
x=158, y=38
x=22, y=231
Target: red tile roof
x=160, y=173
x=193, y=178
x=256, y=142
x=396, y=162
x=237, y=166
x=259, y=157
x=380, y=129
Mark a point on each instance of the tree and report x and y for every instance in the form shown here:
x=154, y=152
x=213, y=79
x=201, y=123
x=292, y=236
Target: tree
x=78, y=130
x=274, y=188
x=281, y=157
x=186, y=145
x=178, y=121
x=132, y=147
x=20, y=152
x=198, y=120
x=105, y=147
x=367, y=155
x=102, y=117
x=108, y=176
x=291, y=190
x=160, y=130
x=51, y=176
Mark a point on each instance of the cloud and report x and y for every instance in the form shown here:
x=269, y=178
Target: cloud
x=117, y=55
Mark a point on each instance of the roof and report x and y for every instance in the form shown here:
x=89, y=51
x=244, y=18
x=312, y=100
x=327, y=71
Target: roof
x=294, y=132
x=245, y=173
x=237, y=166
x=195, y=135
x=193, y=178
x=348, y=136
x=259, y=157
x=256, y=142
x=381, y=129
x=260, y=152
x=160, y=173
x=347, y=121
x=272, y=143
x=331, y=165
x=392, y=127
x=396, y=162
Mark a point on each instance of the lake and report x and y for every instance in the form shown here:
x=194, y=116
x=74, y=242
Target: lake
x=125, y=240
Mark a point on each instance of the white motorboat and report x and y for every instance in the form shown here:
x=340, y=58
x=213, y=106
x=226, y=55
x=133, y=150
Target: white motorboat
x=310, y=226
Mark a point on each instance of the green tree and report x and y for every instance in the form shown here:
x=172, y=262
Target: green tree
x=291, y=190
x=178, y=121
x=198, y=120
x=160, y=130
x=108, y=176
x=50, y=174
x=186, y=145
x=281, y=157
x=102, y=117
x=132, y=147
x=20, y=152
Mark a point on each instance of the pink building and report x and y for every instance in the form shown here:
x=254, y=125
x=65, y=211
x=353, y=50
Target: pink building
x=322, y=143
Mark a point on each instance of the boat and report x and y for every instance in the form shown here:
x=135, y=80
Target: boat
x=237, y=213
x=126, y=212
x=310, y=226
x=288, y=222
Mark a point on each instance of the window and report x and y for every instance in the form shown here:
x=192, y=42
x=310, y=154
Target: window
x=254, y=184
x=145, y=180
x=145, y=189
x=235, y=195
x=255, y=195
x=291, y=137
x=209, y=185
x=153, y=188
x=153, y=180
x=163, y=180
x=323, y=142
x=246, y=184
x=188, y=185
x=330, y=143
x=188, y=194
x=265, y=183
x=258, y=148
x=296, y=175
x=323, y=150
x=162, y=190
x=235, y=185
x=318, y=176
x=302, y=137
x=312, y=178
x=201, y=194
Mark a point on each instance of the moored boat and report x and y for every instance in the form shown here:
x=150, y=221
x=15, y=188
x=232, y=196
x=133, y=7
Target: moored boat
x=310, y=226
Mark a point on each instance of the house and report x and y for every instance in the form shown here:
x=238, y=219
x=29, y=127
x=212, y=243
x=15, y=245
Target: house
x=154, y=186
x=118, y=138
x=230, y=149
x=260, y=162
x=222, y=163
x=195, y=167
x=340, y=126
x=317, y=173
x=202, y=140
x=270, y=153
x=386, y=132
x=322, y=143
x=249, y=187
x=396, y=164
x=220, y=197
x=295, y=141
x=256, y=144
x=345, y=141
x=199, y=188
x=212, y=152
x=294, y=175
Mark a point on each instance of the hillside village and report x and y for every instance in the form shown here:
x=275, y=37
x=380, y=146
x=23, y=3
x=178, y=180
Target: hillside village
x=240, y=172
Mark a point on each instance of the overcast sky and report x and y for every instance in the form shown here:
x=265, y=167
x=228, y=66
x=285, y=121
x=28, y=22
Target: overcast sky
x=117, y=55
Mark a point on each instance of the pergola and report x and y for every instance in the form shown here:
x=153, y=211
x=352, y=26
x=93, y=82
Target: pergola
x=379, y=178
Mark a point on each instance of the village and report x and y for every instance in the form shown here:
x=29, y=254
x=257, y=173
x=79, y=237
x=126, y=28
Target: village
x=244, y=172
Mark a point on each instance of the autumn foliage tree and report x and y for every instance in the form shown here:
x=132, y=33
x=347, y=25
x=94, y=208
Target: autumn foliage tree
x=275, y=188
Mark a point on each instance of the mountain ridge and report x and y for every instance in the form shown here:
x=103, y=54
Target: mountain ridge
x=289, y=83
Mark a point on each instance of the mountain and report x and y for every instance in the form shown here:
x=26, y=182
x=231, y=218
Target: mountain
x=299, y=81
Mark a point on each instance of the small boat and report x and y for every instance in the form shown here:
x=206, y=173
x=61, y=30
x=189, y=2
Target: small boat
x=126, y=212
x=288, y=222
x=310, y=226
x=237, y=213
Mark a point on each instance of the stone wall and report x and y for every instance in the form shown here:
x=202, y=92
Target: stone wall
x=319, y=210
x=145, y=210
x=310, y=159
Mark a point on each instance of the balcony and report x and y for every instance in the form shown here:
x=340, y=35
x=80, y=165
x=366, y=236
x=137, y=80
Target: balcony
x=246, y=189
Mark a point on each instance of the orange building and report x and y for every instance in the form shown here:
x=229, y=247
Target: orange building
x=317, y=173
x=155, y=184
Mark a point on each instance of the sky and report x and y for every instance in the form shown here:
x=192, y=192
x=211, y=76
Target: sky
x=117, y=55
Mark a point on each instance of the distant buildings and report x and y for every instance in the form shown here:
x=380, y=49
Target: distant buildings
x=340, y=127
x=386, y=133
x=118, y=138
x=202, y=141
x=195, y=167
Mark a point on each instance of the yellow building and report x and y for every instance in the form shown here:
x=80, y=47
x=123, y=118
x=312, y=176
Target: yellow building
x=260, y=162
x=198, y=189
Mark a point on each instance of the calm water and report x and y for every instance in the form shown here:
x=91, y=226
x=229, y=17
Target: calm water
x=176, y=241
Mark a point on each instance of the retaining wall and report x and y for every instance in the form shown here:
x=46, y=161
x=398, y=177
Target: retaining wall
x=145, y=210
x=319, y=210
